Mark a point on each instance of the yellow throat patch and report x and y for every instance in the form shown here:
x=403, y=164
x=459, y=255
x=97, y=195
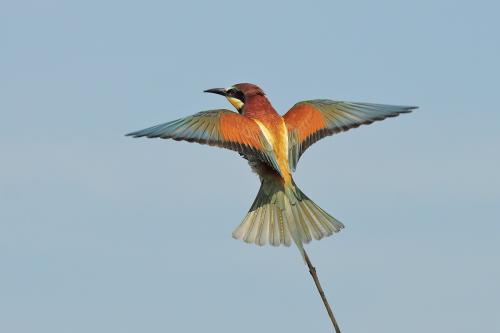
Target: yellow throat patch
x=235, y=102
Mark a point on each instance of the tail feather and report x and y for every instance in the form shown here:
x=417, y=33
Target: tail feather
x=282, y=213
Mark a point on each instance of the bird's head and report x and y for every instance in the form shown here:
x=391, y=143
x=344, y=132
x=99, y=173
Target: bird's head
x=238, y=94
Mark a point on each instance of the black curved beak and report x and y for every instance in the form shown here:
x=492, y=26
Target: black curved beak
x=218, y=91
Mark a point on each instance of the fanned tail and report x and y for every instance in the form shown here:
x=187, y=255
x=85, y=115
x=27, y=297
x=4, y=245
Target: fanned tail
x=282, y=213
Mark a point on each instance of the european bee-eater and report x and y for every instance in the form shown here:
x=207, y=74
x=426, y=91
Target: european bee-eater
x=273, y=144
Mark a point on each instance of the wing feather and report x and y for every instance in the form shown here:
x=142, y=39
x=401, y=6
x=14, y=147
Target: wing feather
x=310, y=121
x=222, y=128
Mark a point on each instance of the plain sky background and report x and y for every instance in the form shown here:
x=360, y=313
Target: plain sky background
x=104, y=233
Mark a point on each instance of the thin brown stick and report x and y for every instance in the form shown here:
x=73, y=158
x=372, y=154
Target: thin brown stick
x=312, y=270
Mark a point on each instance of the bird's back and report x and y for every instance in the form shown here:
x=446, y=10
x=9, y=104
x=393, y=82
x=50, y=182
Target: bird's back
x=273, y=127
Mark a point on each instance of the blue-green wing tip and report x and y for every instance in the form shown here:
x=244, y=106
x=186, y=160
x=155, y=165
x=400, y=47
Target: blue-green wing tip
x=149, y=132
x=133, y=134
x=407, y=109
x=140, y=133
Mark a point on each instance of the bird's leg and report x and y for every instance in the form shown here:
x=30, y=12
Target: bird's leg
x=312, y=270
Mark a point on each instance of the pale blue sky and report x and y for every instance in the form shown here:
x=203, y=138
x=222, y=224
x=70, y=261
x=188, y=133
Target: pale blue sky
x=103, y=233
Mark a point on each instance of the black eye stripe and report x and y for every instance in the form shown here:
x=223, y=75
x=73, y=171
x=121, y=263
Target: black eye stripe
x=239, y=95
x=236, y=94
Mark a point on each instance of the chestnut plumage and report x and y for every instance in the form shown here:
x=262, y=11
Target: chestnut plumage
x=273, y=145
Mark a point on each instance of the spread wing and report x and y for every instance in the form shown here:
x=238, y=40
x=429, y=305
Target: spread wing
x=310, y=121
x=221, y=128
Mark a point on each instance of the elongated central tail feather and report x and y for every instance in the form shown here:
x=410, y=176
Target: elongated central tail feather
x=282, y=213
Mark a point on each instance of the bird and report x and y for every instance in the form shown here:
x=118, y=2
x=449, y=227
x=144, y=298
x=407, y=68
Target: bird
x=273, y=144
